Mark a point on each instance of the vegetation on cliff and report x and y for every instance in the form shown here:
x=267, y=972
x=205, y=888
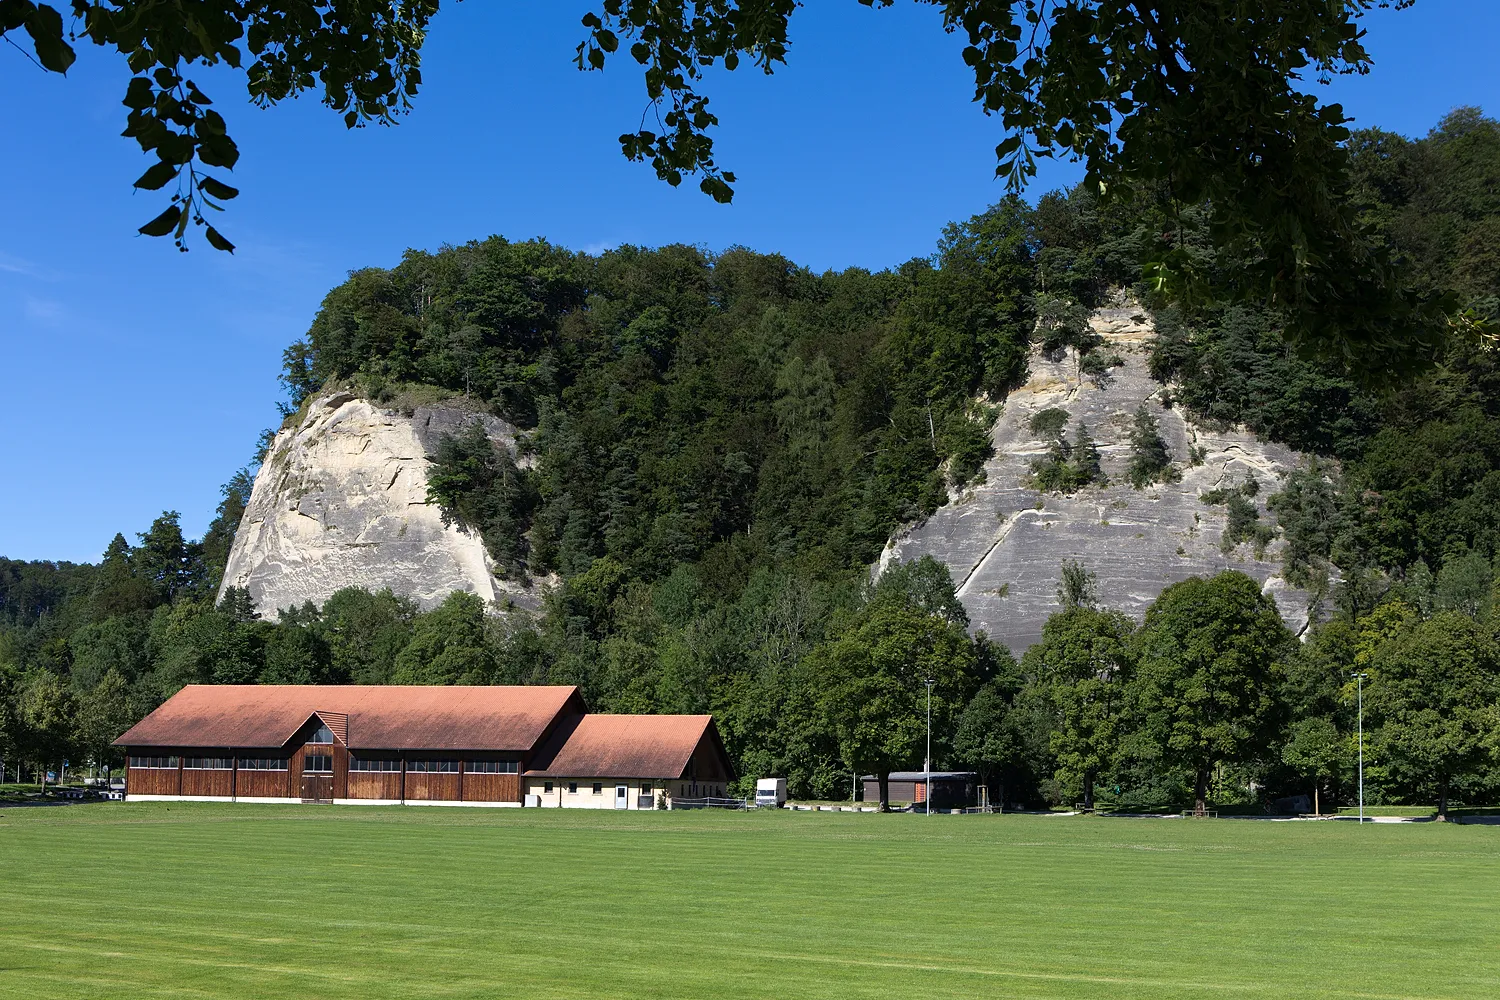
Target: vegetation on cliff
x=723, y=444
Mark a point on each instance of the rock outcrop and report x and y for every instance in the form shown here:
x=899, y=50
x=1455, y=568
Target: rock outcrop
x=341, y=500
x=1004, y=542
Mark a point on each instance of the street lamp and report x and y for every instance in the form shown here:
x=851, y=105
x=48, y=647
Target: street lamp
x=1359, y=682
x=927, y=772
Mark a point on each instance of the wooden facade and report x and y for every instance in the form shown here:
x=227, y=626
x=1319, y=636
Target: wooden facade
x=413, y=731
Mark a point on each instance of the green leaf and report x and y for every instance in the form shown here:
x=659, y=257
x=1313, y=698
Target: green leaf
x=157, y=175
x=218, y=189
x=138, y=95
x=45, y=27
x=163, y=223
x=218, y=242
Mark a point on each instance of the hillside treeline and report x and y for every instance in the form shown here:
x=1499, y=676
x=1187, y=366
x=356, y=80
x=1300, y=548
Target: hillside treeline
x=724, y=443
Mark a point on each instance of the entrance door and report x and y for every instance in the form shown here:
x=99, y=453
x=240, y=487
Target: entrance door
x=317, y=778
x=622, y=800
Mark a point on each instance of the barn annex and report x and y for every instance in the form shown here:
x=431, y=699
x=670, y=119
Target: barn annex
x=388, y=745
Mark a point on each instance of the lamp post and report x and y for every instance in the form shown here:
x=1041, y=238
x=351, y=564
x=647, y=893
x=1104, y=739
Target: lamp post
x=927, y=765
x=1359, y=682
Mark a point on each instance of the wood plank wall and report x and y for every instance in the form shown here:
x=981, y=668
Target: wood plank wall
x=492, y=788
x=263, y=784
x=428, y=786
x=374, y=785
x=201, y=781
x=153, y=780
x=421, y=786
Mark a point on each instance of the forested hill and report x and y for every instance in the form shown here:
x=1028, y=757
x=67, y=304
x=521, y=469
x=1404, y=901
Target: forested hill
x=724, y=443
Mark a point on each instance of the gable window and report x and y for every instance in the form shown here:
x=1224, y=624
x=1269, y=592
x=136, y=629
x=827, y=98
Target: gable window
x=317, y=763
x=361, y=764
x=493, y=767
x=321, y=735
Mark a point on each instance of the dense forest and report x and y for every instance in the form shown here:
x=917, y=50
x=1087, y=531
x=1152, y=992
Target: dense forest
x=723, y=444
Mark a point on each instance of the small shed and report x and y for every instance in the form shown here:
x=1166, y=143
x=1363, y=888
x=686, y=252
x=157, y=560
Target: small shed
x=950, y=789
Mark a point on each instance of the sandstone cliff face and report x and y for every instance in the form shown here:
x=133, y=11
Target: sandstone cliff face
x=1004, y=542
x=342, y=501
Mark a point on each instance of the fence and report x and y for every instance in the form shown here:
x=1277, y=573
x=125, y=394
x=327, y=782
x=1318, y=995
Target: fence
x=709, y=802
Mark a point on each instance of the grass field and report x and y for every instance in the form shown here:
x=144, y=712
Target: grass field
x=245, y=901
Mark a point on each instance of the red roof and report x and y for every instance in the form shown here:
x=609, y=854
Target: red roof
x=624, y=746
x=381, y=717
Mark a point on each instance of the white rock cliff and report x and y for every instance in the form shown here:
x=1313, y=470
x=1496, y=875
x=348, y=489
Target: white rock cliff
x=341, y=500
x=1004, y=542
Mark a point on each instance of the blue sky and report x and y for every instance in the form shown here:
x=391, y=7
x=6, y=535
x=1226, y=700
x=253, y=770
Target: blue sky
x=137, y=379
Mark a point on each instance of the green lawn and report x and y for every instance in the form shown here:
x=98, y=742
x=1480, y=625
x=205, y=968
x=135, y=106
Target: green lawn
x=320, y=903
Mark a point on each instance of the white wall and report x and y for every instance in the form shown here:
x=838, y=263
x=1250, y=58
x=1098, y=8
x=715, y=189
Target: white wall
x=584, y=798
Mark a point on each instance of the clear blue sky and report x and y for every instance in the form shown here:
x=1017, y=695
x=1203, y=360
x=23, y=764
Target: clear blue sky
x=136, y=379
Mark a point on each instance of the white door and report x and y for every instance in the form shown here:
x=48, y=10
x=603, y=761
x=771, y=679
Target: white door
x=622, y=800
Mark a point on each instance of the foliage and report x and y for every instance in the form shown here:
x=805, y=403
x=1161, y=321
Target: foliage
x=1083, y=664
x=1209, y=663
x=1160, y=107
x=1243, y=518
x=1077, y=587
x=1150, y=461
x=1433, y=695
x=478, y=484
x=1068, y=466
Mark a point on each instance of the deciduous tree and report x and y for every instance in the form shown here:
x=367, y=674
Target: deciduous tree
x=1209, y=660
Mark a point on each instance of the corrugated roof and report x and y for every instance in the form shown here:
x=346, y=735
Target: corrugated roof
x=623, y=746
x=381, y=717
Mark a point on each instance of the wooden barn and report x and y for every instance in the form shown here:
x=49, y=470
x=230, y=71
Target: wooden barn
x=376, y=745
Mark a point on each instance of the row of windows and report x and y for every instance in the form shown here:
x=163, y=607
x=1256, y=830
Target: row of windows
x=154, y=762
x=433, y=766
x=209, y=763
x=493, y=767
x=438, y=766
x=321, y=763
x=598, y=788
x=359, y=764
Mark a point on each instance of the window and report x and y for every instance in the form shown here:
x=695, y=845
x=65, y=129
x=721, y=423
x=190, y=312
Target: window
x=433, y=766
x=208, y=763
x=360, y=764
x=546, y=786
x=598, y=788
x=262, y=763
x=317, y=763
x=572, y=788
x=321, y=735
x=493, y=766
x=170, y=762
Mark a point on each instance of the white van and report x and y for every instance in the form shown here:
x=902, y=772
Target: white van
x=770, y=792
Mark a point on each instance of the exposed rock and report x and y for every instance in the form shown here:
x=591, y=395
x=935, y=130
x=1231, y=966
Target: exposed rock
x=341, y=500
x=1005, y=542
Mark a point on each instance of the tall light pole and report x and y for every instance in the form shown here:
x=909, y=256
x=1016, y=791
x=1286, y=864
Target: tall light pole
x=1359, y=683
x=927, y=766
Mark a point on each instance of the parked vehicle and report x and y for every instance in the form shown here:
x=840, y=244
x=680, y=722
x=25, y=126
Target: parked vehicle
x=770, y=792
